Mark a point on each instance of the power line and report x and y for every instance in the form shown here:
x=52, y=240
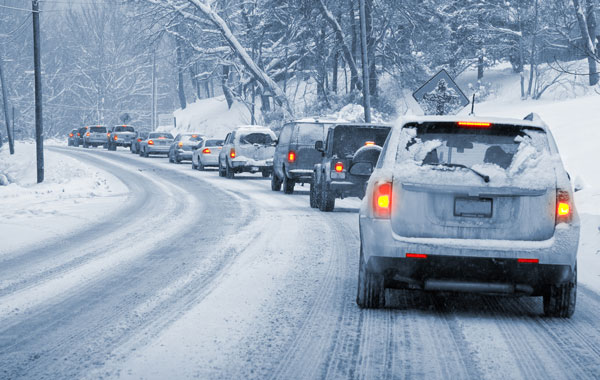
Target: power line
x=19, y=9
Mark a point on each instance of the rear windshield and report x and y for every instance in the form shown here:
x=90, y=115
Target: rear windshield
x=164, y=135
x=98, y=129
x=260, y=138
x=124, y=129
x=214, y=143
x=348, y=139
x=308, y=134
x=448, y=144
x=191, y=138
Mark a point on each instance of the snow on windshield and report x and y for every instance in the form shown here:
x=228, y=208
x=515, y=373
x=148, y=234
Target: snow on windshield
x=516, y=157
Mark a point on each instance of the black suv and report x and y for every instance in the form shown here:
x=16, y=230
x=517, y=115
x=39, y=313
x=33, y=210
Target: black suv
x=295, y=154
x=349, y=155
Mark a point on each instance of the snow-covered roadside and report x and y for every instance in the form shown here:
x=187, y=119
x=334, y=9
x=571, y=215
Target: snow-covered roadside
x=71, y=196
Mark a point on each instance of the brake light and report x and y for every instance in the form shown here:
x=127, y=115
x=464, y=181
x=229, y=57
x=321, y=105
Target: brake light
x=87, y=134
x=232, y=153
x=206, y=151
x=78, y=134
x=194, y=136
x=150, y=142
x=139, y=140
x=291, y=156
x=339, y=167
x=415, y=256
x=180, y=144
x=161, y=137
x=107, y=135
x=369, y=143
x=474, y=124
x=70, y=135
x=382, y=200
x=528, y=261
x=115, y=138
x=563, y=207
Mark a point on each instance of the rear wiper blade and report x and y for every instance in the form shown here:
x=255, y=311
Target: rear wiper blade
x=486, y=178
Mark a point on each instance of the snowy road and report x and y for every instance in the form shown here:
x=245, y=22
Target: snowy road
x=200, y=276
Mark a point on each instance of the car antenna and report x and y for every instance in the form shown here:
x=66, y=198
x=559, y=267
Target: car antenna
x=473, y=105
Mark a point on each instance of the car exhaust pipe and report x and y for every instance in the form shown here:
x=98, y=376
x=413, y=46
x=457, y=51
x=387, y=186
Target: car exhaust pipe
x=476, y=287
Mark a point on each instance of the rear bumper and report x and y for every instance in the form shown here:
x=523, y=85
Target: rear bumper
x=183, y=154
x=157, y=149
x=209, y=160
x=451, y=262
x=343, y=189
x=95, y=141
x=244, y=164
x=300, y=175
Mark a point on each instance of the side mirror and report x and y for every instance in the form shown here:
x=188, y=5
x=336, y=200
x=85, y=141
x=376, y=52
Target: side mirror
x=361, y=168
x=319, y=146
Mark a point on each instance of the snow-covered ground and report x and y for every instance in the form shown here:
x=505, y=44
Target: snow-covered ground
x=72, y=196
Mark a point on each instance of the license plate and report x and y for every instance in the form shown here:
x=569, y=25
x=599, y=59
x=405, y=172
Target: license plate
x=473, y=207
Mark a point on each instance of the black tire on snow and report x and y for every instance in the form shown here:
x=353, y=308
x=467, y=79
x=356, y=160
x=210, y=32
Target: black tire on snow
x=326, y=198
x=559, y=300
x=200, y=166
x=275, y=182
x=371, y=287
x=229, y=171
x=266, y=173
x=288, y=184
x=221, y=171
x=313, y=195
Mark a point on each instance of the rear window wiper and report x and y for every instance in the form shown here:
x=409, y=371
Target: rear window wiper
x=485, y=178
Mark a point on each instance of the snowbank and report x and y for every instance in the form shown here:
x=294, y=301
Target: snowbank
x=210, y=117
x=71, y=195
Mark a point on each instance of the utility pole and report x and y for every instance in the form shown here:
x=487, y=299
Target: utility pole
x=11, y=143
x=153, y=91
x=37, y=65
x=365, y=63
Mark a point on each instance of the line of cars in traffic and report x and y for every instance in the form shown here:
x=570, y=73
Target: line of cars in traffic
x=449, y=204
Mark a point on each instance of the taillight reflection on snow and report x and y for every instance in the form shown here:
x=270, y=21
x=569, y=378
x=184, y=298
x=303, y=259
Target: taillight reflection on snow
x=382, y=200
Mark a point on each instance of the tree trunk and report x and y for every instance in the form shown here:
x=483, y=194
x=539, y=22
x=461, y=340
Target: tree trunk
x=586, y=24
x=521, y=51
x=532, y=63
x=340, y=38
x=480, y=67
x=355, y=55
x=225, y=86
x=371, y=49
x=180, y=89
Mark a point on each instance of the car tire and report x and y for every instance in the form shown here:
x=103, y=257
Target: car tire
x=326, y=198
x=313, y=195
x=275, y=182
x=229, y=171
x=266, y=173
x=288, y=184
x=371, y=287
x=200, y=166
x=112, y=147
x=85, y=145
x=221, y=170
x=559, y=300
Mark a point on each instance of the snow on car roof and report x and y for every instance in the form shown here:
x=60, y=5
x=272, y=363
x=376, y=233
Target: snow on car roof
x=254, y=128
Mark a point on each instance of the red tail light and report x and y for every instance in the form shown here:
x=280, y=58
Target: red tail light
x=528, y=261
x=232, y=153
x=563, y=207
x=291, y=156
x=139, y=140
x=180, y=144
x=339, y=167
x=150, y=142
x=115, y=138
x=474, y=124
x=70, y=135
x=87, y=134
x=206, y=151
x=107, y=135
x=369, y=143
x=78, y=134
x=415, y=256
x=382, y=200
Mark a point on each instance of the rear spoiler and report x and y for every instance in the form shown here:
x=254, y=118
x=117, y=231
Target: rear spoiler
x=534, y=117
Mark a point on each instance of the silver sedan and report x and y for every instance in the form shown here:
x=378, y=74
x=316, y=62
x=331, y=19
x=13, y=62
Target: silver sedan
x=156, y=143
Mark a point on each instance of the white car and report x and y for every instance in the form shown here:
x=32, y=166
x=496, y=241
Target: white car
x=248, y=149
x=207, y=153
x=470, y=205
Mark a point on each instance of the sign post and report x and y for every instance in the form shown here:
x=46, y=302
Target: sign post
x=440, y=95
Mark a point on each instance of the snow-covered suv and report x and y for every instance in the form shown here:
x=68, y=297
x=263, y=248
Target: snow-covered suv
x=248, y=149
x=470, y=205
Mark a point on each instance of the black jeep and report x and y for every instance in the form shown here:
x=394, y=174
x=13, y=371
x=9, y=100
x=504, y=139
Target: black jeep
x=349, y=155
